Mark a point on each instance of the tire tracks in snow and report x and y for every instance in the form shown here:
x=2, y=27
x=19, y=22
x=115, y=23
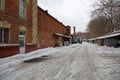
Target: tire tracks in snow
x=68, y=61
x=51, y=68
x=89, y=66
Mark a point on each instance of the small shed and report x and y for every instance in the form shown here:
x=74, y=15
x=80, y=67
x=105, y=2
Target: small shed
x=111, y=39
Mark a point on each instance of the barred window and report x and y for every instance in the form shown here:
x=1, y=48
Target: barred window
x=4, y=35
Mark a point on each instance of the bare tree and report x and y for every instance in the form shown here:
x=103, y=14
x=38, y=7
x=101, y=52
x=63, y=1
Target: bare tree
x=105, y=16
x=110, y=9
x=96, y=27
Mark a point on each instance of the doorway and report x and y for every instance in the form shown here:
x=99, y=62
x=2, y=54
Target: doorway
x=22, y=43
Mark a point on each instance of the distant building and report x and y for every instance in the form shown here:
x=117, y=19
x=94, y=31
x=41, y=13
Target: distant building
x=82, y=37
x=74, y=36
x=51, y=32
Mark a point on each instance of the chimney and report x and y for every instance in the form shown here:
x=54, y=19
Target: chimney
x=46, y=11
x=74, y=28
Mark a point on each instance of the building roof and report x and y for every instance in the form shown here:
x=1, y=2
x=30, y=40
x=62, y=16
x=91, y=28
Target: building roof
x=62, y=35
x=46, y=12
x=113, y=34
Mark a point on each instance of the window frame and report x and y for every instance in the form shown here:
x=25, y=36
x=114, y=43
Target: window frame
x=2, y=4
x=22, y=8
x=49, y=24
x=43, y=21
x=43, y=39
x=3, y=33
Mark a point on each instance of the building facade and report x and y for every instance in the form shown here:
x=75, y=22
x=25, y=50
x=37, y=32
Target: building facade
x=25, y=27
x=18, y=26
x=51, y=32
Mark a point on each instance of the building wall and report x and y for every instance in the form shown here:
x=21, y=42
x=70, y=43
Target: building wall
x=8, y=50
x=9, y=18
x=47, y=26
x=11, y=15
x=111, y=41
x=32, y=26
x=114, y=41
x=100, y=42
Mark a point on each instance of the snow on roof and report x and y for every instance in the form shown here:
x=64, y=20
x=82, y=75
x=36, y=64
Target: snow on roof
x=62, y=35
x=114, y=32
x=106, y=36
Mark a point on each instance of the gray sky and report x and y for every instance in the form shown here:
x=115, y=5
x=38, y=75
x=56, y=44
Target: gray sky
x=69, y=12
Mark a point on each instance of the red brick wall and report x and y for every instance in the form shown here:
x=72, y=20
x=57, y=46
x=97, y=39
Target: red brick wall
x=55, y=27
x=31, y=47
x=49, y=41
x=11, y=15
x=6, y=51
x=12, y=6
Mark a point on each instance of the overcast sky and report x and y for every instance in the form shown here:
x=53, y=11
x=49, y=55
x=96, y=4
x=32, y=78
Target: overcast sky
x=69, y=12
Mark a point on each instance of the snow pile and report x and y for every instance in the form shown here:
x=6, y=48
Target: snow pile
x=108, y=50
x=102, y=49
x=22, y=57
x=106, y=60
x=9, y=62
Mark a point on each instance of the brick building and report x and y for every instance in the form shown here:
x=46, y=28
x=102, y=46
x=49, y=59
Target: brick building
x=18, y=26
x=25, y=27
x=51, y=32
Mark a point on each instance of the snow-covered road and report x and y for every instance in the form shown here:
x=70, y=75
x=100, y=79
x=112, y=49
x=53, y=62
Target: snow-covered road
x=75, y=62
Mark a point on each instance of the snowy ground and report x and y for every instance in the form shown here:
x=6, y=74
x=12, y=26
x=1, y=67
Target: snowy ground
x=75, y=62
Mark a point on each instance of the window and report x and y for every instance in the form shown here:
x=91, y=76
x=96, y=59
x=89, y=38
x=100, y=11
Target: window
x=2, y=4
x=48, y=24
x=43, y=39
x=43, y=21
x=22, y=8
x=4, y=35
